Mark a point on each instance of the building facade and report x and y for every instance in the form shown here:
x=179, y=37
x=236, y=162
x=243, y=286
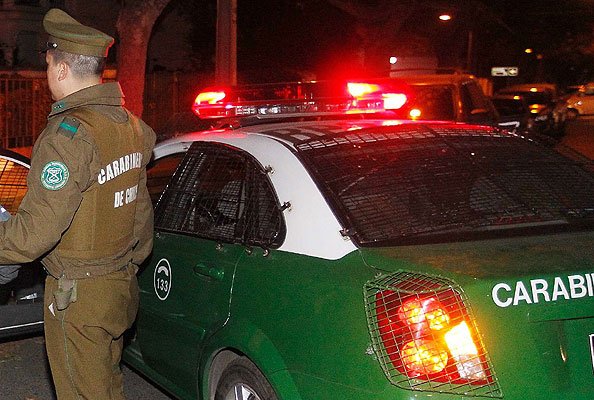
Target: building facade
x=21, y=32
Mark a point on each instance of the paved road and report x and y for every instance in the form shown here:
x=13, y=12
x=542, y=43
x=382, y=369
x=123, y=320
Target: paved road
x=580, y=136
x=24, y=372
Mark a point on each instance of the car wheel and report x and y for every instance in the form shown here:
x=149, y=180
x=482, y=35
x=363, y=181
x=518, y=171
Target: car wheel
x=242, y=380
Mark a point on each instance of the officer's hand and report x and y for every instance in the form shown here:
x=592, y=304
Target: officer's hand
x=7, y=272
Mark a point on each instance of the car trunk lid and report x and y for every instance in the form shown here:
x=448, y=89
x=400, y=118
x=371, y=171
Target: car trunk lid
x=532, y=299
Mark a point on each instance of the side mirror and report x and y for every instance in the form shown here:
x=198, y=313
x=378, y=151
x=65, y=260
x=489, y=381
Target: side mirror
x=479, y=111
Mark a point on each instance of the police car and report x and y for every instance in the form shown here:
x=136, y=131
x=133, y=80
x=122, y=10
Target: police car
x=21, y=291
x=314, y=248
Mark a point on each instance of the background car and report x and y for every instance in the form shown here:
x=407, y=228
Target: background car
x=581, y=102
x=21, y=300
x=545, y=102
x=447, y=97
x=514, y=113
x=318, y=250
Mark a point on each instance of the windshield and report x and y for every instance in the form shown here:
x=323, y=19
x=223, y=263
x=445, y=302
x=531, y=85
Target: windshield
x=536, y=97
x=509, y=107
x=403, y=184
x=435, y=102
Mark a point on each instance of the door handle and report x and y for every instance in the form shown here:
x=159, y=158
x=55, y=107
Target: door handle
x=211, y=272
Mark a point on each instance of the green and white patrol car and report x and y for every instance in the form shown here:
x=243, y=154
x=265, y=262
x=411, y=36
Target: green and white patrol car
x=318, y=251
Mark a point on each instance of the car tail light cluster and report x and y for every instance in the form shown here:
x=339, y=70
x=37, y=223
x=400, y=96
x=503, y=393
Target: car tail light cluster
x=425, y=336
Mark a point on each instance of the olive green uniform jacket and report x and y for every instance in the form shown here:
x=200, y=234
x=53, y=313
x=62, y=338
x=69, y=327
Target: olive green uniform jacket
x=68, y=162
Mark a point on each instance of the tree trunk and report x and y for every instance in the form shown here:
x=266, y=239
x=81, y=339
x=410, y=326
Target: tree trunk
x=134, y=25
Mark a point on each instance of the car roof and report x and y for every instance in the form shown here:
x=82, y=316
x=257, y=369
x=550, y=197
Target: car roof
x=431, y=79
x=508, y=96
x=530, y=87
x=292, y=133
x=16, y=157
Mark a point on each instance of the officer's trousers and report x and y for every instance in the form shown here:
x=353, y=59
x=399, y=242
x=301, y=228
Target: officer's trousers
x=84, y=341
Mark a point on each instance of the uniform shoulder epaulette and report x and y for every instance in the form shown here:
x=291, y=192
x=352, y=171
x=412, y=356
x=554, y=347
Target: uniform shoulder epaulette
x=69, y=126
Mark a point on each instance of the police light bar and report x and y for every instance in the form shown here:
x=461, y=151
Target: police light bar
x=299, y=98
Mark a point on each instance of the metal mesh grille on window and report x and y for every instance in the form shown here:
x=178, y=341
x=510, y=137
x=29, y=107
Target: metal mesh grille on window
x=13, y=184
x=221, y=194
x=403, y=182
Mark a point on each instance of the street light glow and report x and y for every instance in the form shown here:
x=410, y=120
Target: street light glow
x=528, y=51
x=445, y=17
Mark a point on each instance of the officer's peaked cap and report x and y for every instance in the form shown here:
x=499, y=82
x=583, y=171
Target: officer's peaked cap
x=69, y=35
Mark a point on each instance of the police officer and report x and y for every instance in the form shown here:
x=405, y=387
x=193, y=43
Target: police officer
x=87, y=213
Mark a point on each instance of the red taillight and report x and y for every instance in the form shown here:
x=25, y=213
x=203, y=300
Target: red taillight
x=430, y=337
x=425, y=336
x=427, y=311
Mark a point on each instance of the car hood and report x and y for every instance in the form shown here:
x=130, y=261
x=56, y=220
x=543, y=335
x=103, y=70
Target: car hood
x=542, y=277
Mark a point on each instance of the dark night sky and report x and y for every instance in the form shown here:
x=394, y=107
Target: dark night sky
x=284, y=39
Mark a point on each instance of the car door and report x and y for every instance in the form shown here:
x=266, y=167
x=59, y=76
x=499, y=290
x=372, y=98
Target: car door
x=476, y=107
x=21, y=299
x=588, y=101
x=199, y=237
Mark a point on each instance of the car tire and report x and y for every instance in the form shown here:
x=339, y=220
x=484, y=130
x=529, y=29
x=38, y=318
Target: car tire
x=242, y=380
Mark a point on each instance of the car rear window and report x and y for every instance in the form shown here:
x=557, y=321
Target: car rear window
x=536, y=97
x=509, y=107
x=434, y=101
x=408, y=184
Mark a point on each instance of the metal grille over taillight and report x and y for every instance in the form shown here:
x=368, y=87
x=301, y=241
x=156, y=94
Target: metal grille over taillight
x=425, y=336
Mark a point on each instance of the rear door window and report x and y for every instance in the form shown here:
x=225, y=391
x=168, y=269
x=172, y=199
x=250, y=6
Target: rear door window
x=223, y=194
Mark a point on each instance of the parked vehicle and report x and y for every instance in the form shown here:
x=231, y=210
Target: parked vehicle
x=545, y=102
x=514, y=113
x=581, y=102
x=448, y=97
x=21, y=300
x=319, y=249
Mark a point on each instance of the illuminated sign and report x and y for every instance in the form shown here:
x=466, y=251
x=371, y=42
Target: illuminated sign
x=504, y=71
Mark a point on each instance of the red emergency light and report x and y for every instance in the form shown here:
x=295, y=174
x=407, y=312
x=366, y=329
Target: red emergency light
x=298, y=98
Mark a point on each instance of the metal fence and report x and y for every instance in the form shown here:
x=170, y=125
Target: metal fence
x=25, y=103
x=168, y=94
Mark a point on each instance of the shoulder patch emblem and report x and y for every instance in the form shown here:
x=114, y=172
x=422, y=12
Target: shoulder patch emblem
x=54, y=175
x=69, y=126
